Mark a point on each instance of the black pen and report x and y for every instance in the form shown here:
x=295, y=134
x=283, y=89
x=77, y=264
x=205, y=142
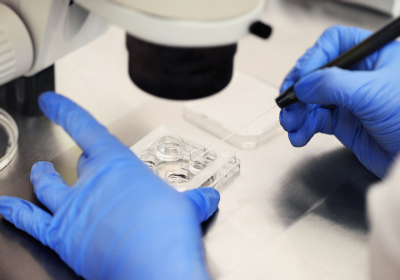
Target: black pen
x=373, y=43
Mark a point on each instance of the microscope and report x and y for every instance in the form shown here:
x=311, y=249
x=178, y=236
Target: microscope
x=178, y=49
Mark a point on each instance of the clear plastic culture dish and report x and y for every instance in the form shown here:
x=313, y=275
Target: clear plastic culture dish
x=11, y=129
x=183, y=161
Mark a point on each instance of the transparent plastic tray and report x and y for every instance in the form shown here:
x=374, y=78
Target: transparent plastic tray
x=244, y=100
x=176, y=156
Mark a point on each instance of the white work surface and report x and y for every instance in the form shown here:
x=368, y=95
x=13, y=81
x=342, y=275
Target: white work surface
x=290, y=214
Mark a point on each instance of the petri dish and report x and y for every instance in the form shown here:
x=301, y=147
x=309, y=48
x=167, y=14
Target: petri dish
x=11, y=129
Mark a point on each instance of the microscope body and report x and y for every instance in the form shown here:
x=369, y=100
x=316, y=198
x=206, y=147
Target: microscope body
x=35, y=33
x=46, y=31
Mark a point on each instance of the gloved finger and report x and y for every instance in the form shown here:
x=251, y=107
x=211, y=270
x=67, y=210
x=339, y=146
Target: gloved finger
x=304, y=65
x=292, y=118
x=49, y=187
x=79, y=124
x=25, y=216
x=205, y=200
x=318, y=120
x=335, y=86
x=349, y=130
x=333, y=42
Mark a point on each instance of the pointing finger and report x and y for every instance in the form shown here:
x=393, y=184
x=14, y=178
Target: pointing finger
x=79, y=124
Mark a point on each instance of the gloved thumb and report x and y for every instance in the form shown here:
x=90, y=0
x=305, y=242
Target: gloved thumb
x=333, y=86
x=205, y=201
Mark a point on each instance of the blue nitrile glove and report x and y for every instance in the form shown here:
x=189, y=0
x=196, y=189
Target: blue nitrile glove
x=119, y=220
x=361, y=106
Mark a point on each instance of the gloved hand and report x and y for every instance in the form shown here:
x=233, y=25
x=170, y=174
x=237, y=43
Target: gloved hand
x=119, y=220
x=360, y=106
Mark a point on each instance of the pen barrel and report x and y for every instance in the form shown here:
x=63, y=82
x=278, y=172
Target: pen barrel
x=373, y=43
x=370, y=45
x=286, y=98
